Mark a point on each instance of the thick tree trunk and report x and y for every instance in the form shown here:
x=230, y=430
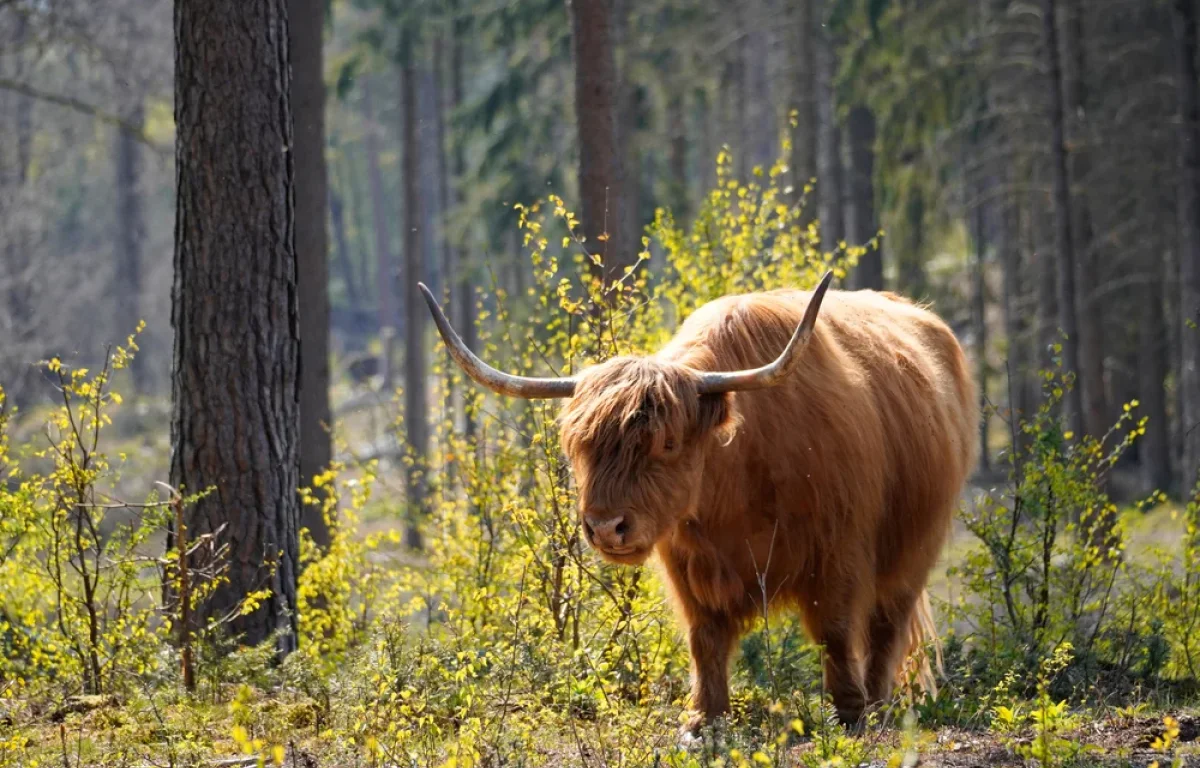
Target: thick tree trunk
x=1063, y=235
x=306, y=25
x=861, y=222
x=1185, y=20
x=385, y=272
x=416, y=424
x=235, y=405
x=601, y=178
x=129, y=244
x=829, y=133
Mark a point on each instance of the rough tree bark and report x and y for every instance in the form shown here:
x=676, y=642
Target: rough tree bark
x=130, y=229
x=306, y=25
x=861, y=221
x=1185, y=22
x=1063, y=235
x=235, y=404
x=416, y=424
x=601, y=177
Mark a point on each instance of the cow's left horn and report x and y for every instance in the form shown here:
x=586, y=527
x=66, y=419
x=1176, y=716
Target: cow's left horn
x=497, y=381
x=772, y=373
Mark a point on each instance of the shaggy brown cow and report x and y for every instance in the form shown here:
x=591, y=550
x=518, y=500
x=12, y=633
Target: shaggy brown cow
x=827, y=481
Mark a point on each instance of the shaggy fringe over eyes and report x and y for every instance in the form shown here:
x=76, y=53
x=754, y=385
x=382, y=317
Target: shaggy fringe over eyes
x=630, y=406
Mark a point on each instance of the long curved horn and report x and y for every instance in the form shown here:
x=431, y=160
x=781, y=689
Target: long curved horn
x=772, y=373
x=497, y=381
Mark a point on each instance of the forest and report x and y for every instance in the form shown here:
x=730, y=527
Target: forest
x=262, y=506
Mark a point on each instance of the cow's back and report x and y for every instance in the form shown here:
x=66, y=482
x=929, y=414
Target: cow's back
x=865, y=447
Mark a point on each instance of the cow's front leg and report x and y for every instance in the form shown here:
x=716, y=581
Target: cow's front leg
x=711, y=639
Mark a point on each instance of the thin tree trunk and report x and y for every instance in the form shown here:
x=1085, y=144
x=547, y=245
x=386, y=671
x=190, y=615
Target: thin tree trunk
x=465, y=318
x=804, y=136
x=306, y=24
x=979, y=317
x=1185, y=21
x=861, y=222
x=129, y=243
x=1091, y=331
x=630, y=156
x=829, y=134
x=235, y=405
x=415, y=402
x=677, y=126
x=601, y=176
x=1152, y=375
x=345, y=262
x=385, y=273
x=1063, y=235
x=1017, y=380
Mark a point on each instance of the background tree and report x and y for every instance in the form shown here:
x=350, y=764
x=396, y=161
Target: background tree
x=601, y=176
x=306, y=22
x=235, y=410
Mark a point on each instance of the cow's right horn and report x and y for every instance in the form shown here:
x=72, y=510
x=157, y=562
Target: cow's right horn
x=715, y=382
x=503, y=383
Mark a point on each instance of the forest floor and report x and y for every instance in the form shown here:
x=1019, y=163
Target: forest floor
x=86, y=739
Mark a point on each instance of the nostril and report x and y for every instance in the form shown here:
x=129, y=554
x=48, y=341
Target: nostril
x=587, y=527
x=620, y=527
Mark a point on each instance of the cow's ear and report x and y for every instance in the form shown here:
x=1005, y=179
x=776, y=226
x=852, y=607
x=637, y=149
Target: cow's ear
x=717, y=415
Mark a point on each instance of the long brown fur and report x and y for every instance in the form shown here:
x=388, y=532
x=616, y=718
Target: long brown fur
x=831, y=492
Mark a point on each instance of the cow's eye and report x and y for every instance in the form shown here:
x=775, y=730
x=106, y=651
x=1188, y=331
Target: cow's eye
x=669, y=445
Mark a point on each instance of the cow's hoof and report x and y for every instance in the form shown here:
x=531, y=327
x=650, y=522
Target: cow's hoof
x=853, y=719
x=690, y=731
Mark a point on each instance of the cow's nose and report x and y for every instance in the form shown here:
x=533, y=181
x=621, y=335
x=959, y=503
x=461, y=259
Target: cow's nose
x=607, y=533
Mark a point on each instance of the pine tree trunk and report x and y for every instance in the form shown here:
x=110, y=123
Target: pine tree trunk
x=1155, y=447
x=979, y=320
x=129, y=244
x=804, y=135
x=1091, y=330
x=345, y=262
x=1185, y=20
x=465, y=314
x=861, y=222
x=1017, y=380
x=235, y=406
x=829, y=134
x=1063, y=235
x=385, y=272
x=600, y=174
x=306, y=24
x=416, y=424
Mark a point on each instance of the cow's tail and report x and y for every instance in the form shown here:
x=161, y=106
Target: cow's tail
x=923, y=660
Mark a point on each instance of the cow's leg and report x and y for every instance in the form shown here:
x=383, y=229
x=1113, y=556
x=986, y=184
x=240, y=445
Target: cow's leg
x=843, y=673
x=887, y=637
x=711, y=639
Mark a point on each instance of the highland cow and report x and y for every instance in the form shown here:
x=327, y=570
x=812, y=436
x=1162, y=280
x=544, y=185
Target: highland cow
x=823, y=477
